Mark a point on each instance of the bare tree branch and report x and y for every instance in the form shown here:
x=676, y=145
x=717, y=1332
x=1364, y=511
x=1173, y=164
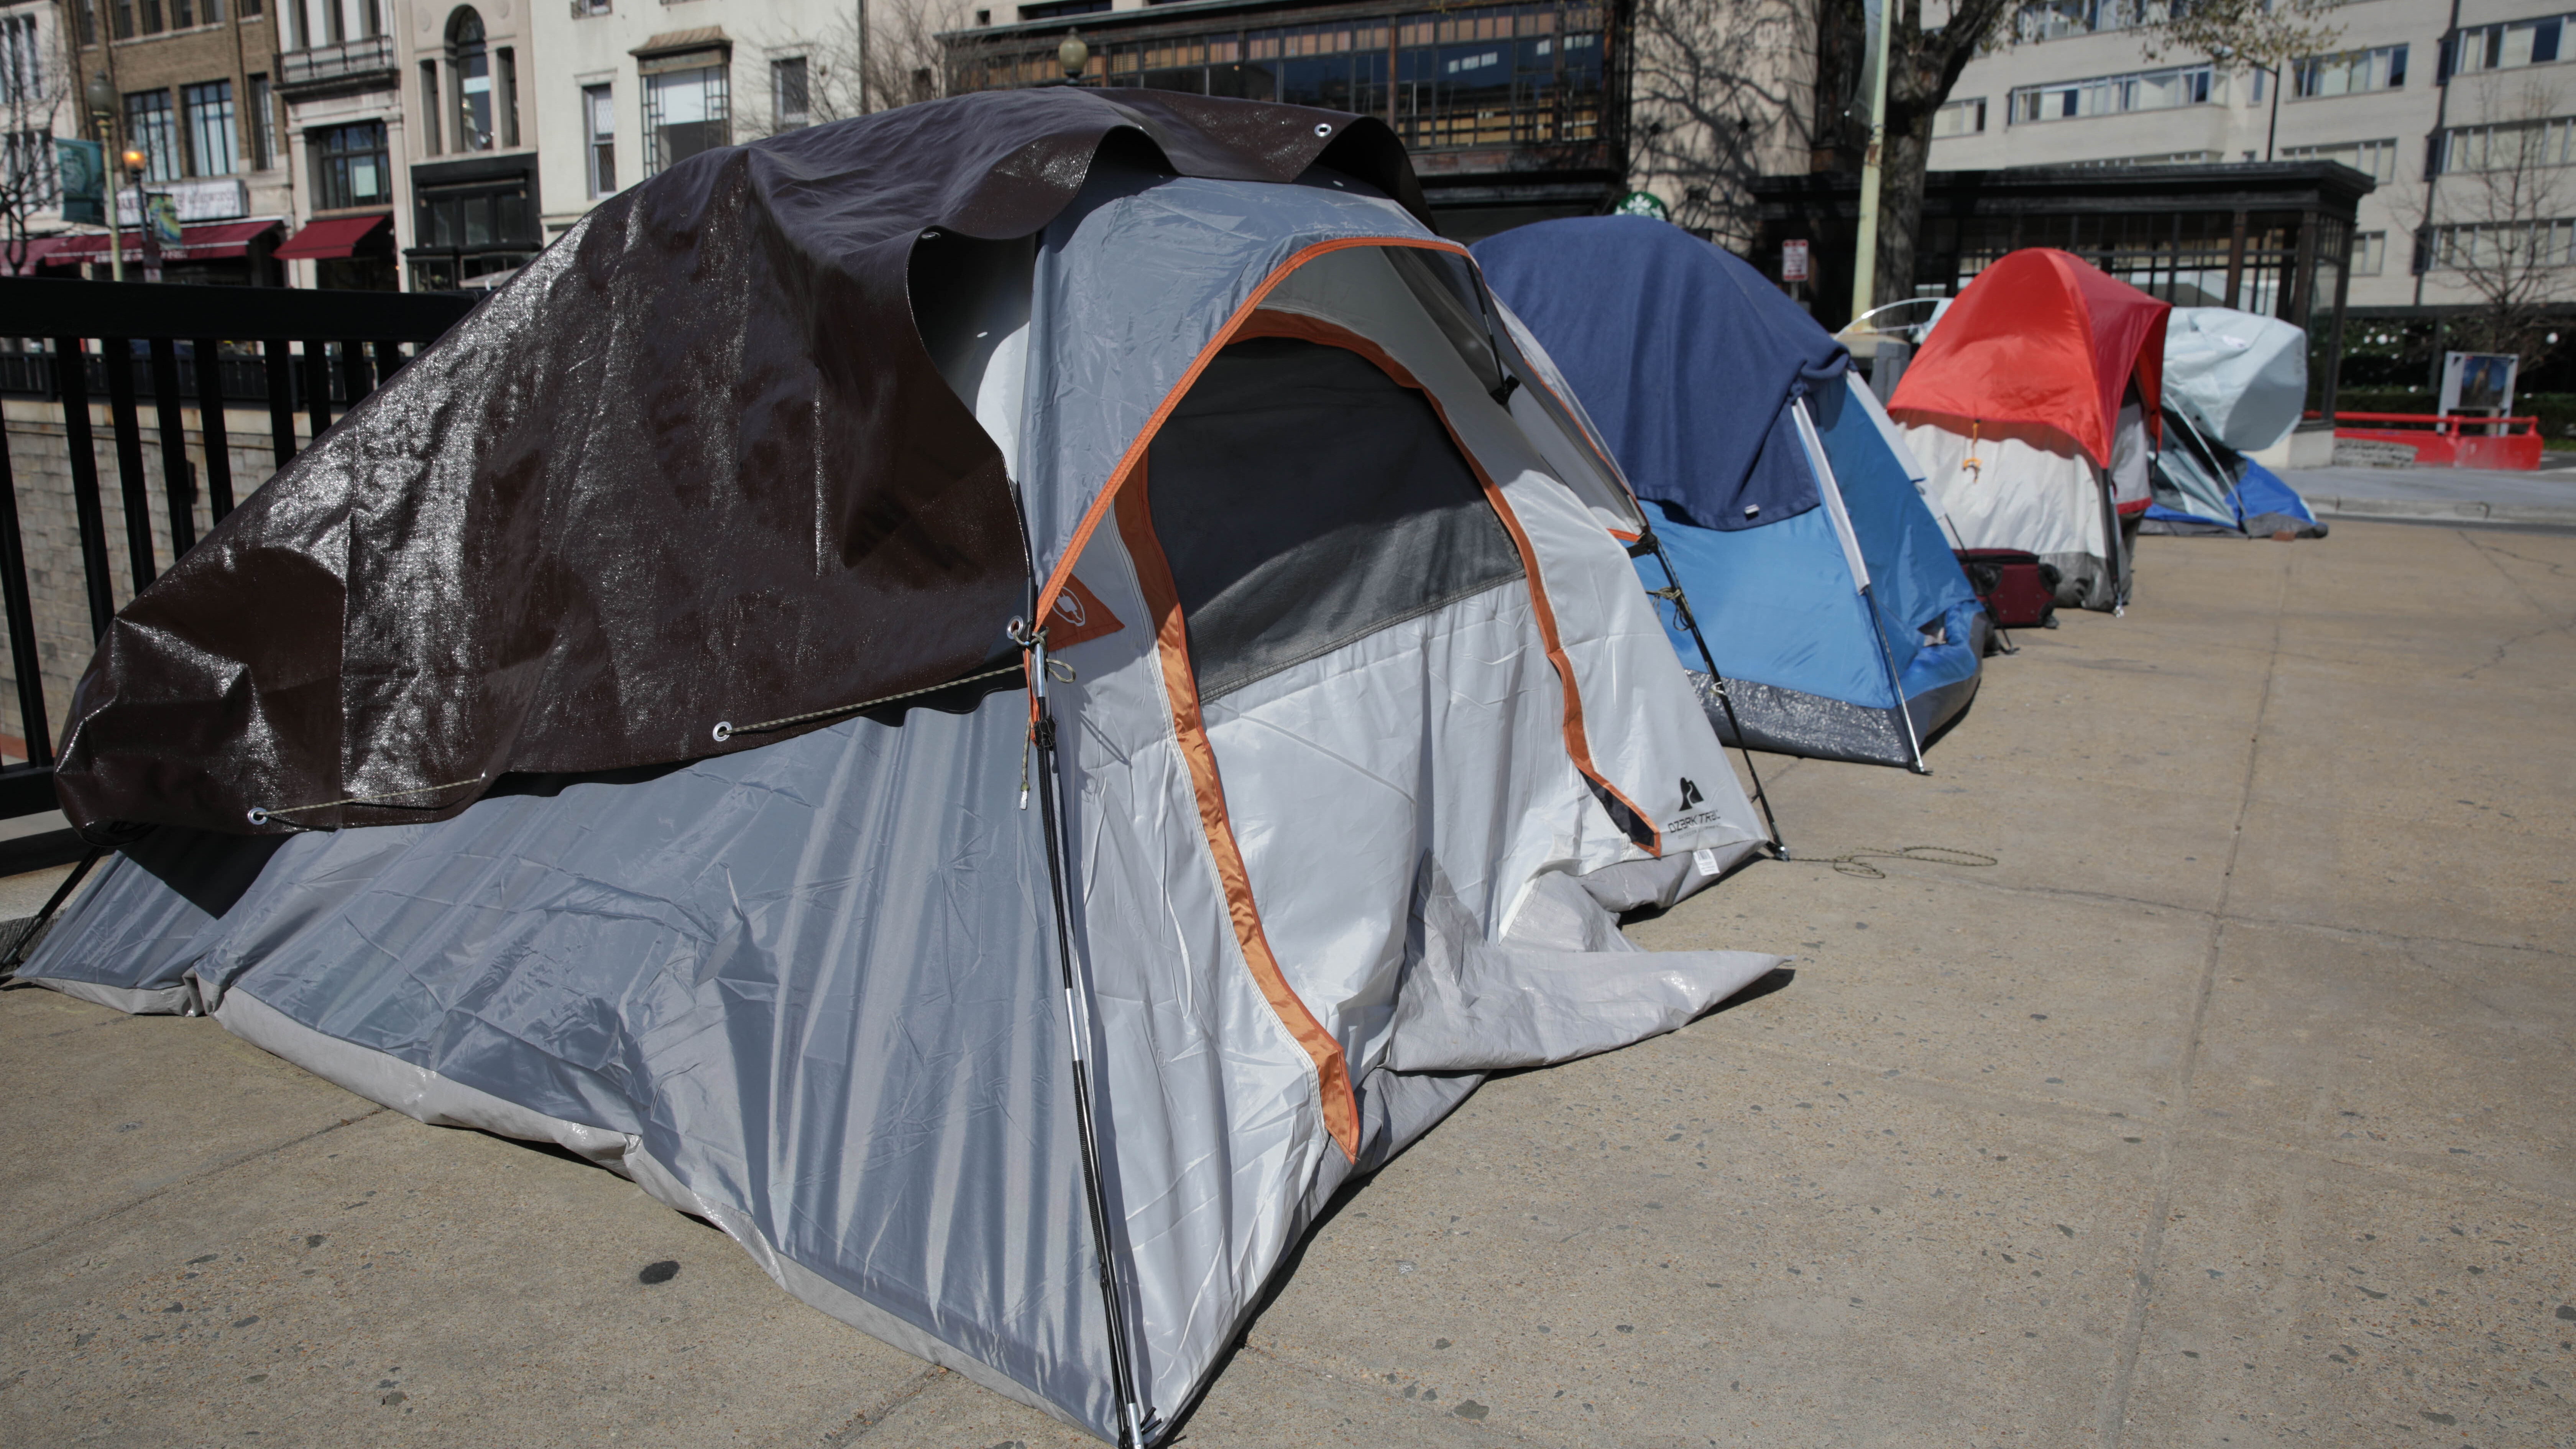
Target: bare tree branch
x=899, y=61
x=2500, y=226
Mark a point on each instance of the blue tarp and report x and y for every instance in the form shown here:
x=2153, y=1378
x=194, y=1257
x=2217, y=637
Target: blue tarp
x=1672, y=344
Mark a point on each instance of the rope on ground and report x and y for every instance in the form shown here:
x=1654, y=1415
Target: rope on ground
x=1856, y=862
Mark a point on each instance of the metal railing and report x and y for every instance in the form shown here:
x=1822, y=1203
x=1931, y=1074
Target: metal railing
x=298, y=355
x=369, y=55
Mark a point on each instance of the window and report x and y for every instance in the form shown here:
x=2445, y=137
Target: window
x=429, y=128
x=599, y=127
x=581, y=8
x=250, y=8
x=2350, y=73
x=469, y=70
x=2502, y=47
x=788, y=100
x=151, y=10
x=85, y=21
x=22, y=66
x=180, y=16
x=349, y=166
x=685, y=112
x=149, y=127
x=2505, y=245
x=2375, y=159
x=29, y=159
x=1959, y=118
x=2055, y=19
x=211, y=145
x=2369, y=253
x=506, y=64
x=122, y=17
x=262, y=126
x=2154, y=90
x=2513, y=146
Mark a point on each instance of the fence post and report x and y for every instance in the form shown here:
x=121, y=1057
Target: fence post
x=23, y=658
x=212, y=429
x=121, y=420
x=177, y=487
x=71, y=376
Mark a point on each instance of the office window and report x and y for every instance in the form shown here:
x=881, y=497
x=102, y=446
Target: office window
x=22, y=64
x=2350, y=73
x=150, y=127
x=29, y=157
x=599, y=127
x=2503, y=47
x=2369, y=253
x=349, y=166
x=2376, y=159
x=122, y=17
x=506, y=74
x=469, y=69
x=685, y=112
x=2153, y=90
x=790, y=104
x=250, y=8
x=430, y=144
x=209, y=110
x=181, y=16
x=581, y=8
x=2506, y=245
x=1959, y=118
x=2507, y=147
x=262, y=126
x=85, y=21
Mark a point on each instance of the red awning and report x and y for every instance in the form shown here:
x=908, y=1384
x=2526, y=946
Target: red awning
x=42, y=250
x=336, y=237
x=196, y=243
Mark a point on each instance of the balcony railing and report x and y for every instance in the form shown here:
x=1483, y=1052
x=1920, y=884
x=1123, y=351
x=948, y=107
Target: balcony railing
x=350, y=59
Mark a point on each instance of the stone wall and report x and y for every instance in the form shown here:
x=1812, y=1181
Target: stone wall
x=40, y=465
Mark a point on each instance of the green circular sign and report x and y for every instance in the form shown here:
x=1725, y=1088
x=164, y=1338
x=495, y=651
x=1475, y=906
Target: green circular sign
x=1642, y=203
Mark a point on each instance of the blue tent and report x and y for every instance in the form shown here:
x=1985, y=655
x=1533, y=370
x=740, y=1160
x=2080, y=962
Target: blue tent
x=1826, y=591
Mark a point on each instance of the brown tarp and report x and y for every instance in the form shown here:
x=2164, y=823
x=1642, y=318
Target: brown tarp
x=693, y=465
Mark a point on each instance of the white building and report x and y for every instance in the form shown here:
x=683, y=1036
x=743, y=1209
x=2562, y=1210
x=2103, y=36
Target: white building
x=630, y=87
x=344, y=135
x=2395, y=99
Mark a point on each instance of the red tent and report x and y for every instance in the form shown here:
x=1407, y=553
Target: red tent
x=2042, y=337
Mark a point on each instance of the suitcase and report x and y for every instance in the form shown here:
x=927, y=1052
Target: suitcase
x=2018, y=590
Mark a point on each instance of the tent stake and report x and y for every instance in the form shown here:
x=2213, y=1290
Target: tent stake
x=1649, y=542
x=1132, y=1432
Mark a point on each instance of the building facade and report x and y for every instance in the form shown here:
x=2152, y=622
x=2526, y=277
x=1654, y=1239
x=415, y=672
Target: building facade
x=1513, y=112
x=195, y=92
x=2465, y=131
x=631, y=87
x=342, y=92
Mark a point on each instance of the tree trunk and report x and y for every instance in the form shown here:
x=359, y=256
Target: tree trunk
x=1901, y=168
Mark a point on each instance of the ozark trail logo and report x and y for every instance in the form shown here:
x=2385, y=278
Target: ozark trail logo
x=1070, y=610
x=1690, y=793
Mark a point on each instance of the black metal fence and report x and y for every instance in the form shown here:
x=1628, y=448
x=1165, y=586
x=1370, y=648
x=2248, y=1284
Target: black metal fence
x=301, y=356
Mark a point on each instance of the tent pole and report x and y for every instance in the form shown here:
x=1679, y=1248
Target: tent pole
x=1887, y=656
x=1646, y=543
x=1113, y=1298
x=17, y=953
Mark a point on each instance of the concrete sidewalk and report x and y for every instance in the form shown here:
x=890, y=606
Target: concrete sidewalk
x=2232, y=1104
x=2468, y=495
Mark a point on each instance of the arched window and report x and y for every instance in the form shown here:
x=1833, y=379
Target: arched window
x=469, y=68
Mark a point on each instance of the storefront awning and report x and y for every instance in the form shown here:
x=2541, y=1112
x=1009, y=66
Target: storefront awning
x=333, y=238
x=196, y=244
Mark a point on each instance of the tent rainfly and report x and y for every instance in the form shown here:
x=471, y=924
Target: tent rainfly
x=2234, y=384
x=2033, y=408
x=1018, y=996
x=1837, y=621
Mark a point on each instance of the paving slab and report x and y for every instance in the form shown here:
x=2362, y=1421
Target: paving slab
x=2230, y=1105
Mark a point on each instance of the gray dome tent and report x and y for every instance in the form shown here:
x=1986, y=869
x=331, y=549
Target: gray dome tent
x=1018, y=1005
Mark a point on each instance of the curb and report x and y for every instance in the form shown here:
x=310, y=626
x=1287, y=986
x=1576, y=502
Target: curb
x=2463, y=511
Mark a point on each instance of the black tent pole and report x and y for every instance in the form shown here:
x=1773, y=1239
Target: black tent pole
x=1131, y=1403
x=1648, y=543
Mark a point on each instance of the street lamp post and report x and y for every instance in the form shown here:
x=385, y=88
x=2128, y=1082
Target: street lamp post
x=1072, y=56
x=101, y=95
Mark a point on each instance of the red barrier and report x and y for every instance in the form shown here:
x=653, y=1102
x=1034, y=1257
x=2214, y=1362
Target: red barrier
x=2450, y=442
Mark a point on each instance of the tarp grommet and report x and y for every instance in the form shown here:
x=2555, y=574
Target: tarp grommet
x=1323, y=128
x=723, y=730
x=259, y=815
